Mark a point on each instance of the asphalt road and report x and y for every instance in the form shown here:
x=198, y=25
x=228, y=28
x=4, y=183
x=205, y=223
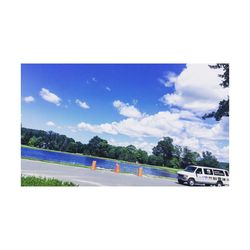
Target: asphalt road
x=88, y=177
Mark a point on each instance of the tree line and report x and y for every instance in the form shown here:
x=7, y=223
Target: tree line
x=165, y=153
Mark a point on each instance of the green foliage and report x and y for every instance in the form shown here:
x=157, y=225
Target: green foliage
x=208, y=160
x=32, y=141
x=39, y=181
x=189, y=157
x=223, y=109
x=164, y=149
x=175, y=163
x=155, y=160
x=165, y=153
x=141, y=156
x=98, y=147
x=224, y=165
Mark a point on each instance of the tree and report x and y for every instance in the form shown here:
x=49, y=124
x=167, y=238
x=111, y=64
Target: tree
x=175, y=163
x=98, y=147
x=208, y=160
x=72, y=147
x=223, y=109
x=189, y=157
x=141, y=156
x=127, y=153
x=155, y=160
x=32, y=141
x=165, y=149
x=164, y=154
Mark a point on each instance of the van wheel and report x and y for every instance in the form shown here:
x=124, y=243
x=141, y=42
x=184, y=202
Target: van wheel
x=219, y=184
x=191, y=182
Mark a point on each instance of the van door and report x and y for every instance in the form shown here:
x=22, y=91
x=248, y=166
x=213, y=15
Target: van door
x=208, y=176
x=199, y=175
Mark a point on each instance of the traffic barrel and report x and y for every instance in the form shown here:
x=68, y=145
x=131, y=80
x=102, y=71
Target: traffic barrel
x=140, y=171
x=93, y=167
x=117, y=168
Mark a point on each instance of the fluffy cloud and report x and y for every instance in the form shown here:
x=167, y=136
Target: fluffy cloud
x=81, y=104
x=169, y=79
x=29, y=99
x=197, y=89
x=108, y=88
x=50, y=97
x=127, y=110
x=162, y=124
x=183, y=126
x=102, y=128
x=50, y=123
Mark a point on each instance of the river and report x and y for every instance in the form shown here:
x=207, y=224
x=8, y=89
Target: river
x=61, y=157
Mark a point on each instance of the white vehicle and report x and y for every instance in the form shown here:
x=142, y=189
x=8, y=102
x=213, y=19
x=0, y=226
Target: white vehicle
x=203, y=175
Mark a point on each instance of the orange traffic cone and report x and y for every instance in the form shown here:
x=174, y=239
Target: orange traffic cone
x=93, y=167
x=140, y=171
x=117, y=168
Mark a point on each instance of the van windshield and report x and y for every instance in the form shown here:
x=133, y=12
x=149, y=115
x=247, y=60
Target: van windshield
x=190, y=169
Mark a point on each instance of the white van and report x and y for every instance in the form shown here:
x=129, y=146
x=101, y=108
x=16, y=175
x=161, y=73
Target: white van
x=203, y=175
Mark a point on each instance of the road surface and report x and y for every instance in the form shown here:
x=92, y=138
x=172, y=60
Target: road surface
x=88, y=177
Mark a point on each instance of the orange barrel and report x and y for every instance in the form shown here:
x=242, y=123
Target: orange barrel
x=93, y=167
x=117, y=168
x=140, y=171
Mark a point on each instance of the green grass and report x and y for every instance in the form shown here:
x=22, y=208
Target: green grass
x=39, y=181
x=170, y=170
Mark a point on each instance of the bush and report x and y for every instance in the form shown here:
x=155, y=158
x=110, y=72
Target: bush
x=39, y=181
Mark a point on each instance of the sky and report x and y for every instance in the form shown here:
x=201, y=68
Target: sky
x=125, y=104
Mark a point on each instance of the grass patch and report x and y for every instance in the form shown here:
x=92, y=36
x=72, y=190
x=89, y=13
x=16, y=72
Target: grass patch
x=39, y=181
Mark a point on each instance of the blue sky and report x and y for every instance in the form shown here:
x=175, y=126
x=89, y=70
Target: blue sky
x=126, y=103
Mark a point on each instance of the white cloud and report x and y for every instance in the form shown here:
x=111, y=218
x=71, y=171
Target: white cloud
x=102, y=128
x=169, y=79
x=201, y=145
x=29, y=99
x=72, y=129
x=162, y=124
x=127, y=110
x=83, y=105
x=183, y=126
x=108, y=88
x=50, y=97
x=50, y=123
x=197, y=89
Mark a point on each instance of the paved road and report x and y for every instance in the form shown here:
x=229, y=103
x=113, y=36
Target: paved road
x=88, y=177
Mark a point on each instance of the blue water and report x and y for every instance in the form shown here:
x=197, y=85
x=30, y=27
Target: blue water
x=87, y=161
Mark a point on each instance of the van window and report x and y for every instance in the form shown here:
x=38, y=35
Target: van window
x=208, y=171
x=190, y=169
x=219, y=172
x=199, y=171
x=226, y=173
